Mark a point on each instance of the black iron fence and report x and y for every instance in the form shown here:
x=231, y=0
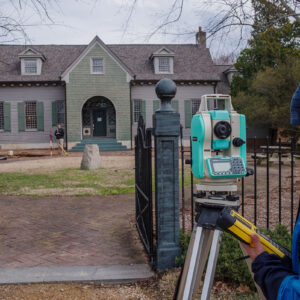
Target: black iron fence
x=268, y=197
x=143, y=187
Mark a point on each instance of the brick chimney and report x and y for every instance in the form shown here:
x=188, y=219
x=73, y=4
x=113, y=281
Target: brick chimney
x=201, y=38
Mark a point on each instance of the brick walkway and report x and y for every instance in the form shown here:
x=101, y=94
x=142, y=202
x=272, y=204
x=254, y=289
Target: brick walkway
x=68, y=231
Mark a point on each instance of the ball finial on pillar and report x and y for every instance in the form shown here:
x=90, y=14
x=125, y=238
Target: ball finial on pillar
x=166, y=90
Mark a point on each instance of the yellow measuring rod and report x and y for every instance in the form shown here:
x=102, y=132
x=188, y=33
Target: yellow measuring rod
x=231, y=221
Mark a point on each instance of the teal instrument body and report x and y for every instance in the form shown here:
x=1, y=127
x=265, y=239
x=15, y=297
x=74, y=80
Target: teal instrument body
x=197, y=136
x=218, y=138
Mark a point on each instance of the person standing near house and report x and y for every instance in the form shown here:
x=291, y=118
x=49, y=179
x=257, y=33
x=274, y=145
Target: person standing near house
x=59, y=135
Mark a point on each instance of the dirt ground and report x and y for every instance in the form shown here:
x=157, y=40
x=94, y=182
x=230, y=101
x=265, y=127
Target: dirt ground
x=46, y=163
x=45, y=153
x=160, y=287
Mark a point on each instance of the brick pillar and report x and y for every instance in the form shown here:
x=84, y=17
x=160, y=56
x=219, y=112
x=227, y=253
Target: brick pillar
x=166, y=130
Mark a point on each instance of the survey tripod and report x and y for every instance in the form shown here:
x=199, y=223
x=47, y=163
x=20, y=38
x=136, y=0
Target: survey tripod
x=216, y=212
x=205, y=240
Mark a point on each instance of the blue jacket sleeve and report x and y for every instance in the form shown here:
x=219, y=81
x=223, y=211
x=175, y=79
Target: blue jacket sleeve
x=269, y=272
x=290, y=288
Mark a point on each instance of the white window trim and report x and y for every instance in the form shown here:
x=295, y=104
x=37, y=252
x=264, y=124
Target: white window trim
x=134, y=101
x=63, y=124
x=167, y=59
x=156, y=65
x=38, y=66
x=30, y=129
x=91, y=66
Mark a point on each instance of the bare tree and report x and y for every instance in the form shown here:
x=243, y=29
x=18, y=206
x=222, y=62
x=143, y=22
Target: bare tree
x=223, y=59
x=238, y=16
x=243, y=13
x=13, y=21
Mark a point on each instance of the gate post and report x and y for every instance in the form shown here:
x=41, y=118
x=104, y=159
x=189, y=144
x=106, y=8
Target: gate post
x=166, y=130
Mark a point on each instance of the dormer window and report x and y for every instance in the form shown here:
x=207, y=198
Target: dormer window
x=30, y=66
x=164, y=65
x=163, y=61
x=31, y=62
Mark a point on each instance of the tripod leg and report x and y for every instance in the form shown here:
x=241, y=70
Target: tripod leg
x=208, y=235
x=211, y=265
x=186, y=265
x=204, y=255
x=200, y=243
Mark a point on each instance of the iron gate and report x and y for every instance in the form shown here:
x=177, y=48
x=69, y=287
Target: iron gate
x=143, y=186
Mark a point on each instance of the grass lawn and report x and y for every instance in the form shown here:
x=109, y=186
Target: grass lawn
x=69, y=182
x=72, y=182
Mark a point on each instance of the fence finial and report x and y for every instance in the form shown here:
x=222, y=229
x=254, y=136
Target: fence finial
x=166, y=90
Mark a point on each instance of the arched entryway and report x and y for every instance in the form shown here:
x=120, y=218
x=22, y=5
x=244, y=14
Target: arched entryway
x=98, y=118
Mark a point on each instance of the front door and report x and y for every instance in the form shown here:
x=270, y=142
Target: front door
x=99, y=121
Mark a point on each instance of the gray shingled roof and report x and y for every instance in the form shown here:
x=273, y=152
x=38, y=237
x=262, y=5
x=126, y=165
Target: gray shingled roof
x=190, y=61
x=58, y=58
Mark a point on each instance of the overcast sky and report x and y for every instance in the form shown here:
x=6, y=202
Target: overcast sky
x=78, y=21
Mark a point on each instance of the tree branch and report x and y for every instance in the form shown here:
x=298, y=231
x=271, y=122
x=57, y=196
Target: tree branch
x=291, y=12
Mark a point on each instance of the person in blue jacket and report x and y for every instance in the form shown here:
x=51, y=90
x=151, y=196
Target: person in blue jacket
x=279, y=277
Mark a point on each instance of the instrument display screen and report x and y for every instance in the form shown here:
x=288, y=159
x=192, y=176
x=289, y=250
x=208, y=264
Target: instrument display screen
x=222, y=166
x=226, y=166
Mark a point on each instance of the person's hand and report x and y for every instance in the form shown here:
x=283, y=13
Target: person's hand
x=255, y=248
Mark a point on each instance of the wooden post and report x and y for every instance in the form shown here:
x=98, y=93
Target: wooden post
x=166, y=130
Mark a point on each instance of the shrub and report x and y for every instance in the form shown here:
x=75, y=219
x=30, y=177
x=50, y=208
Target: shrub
x=184, y=244
x=228, y=268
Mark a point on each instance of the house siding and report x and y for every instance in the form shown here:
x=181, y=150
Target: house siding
x=147, y=93
x=83, y=85
x=15, y=95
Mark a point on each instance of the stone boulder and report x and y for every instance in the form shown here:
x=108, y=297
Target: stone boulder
x=91, y=158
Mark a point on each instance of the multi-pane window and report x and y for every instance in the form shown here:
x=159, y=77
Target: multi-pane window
x=60, y=112
x=1, y=116
x=30, y=115
x=30, y=66
x=164, y=64
x=137, y=110
x=97, y=65
x=195, y=105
